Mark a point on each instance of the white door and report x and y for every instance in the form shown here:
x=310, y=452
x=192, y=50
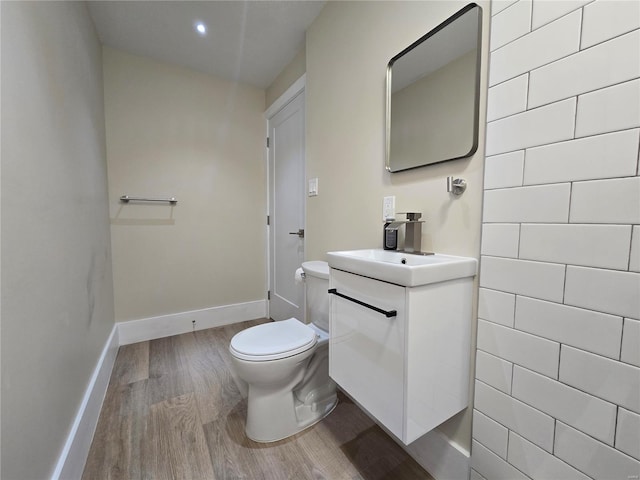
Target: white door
x=286, y=209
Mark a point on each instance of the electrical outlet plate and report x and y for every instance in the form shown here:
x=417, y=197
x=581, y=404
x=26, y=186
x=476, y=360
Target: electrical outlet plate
x=388, y=207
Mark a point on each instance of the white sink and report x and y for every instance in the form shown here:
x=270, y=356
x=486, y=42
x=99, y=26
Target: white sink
x=401, y=268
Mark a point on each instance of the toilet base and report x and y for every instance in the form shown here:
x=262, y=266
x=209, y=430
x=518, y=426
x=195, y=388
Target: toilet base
x=276, y=418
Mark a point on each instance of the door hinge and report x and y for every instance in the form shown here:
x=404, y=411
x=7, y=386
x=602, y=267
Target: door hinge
x=268, y=294
x=267, y=142
x=268, y=220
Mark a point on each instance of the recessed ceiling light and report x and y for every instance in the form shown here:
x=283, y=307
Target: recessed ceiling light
x=201, y=28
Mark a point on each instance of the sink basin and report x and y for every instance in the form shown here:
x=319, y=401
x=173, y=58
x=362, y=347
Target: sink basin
x=403, y=268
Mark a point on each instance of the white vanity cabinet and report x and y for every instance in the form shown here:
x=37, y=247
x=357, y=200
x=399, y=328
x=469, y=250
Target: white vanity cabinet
x=410, y=371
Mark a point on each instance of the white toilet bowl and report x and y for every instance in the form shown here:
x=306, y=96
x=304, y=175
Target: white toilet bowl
x=285, y=365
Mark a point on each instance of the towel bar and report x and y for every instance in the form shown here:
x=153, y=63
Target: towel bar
x=127, y=199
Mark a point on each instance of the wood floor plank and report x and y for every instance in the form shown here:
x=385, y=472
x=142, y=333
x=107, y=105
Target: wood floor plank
x=187, y=419
x=212, y=383
x=168, y=374
x=104, y=454
x=115, y=450
x=176, y=447
x=132, y=363
x=322, y=445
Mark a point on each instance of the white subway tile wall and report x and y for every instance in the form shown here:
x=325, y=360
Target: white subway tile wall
x=496, y=306
x=510, y=24
x=537, y=463
x=484, y=460
x=600, y=156
x=532, y=424
x=547, y=44
x=634, y=261
x=575, y=408
x=536, y=353
x=507, y=98
x=614, y=200
x=606, y=20
x=491, y=433
x=498, y=5
x=494, y=371
x=558, y=354
x=610, y=109
x=575, y=74
x=577, y=244
x=586, y=329
x=546, y=12
x=539, y=203
x=501, y=239
x=628, y=435
x=501, y=171
x=533, y=279
x=547, y=124
x=631, y=342
x=594, y=458
x=601, y=377
x=608, y=291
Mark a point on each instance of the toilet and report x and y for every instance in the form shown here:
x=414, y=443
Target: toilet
x=286, y=366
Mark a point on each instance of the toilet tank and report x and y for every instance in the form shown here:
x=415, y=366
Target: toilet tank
x=316, y=278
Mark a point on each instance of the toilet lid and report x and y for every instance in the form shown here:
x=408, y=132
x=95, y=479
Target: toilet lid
x=271, y=341
x=316, y=268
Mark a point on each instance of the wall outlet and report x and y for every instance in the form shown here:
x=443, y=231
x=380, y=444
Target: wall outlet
x=388, y=208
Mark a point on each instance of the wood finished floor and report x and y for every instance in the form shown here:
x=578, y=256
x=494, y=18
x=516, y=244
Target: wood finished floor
x=173, y=410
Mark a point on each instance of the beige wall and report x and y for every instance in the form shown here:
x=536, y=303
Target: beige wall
x=348, y=48
x=285, y=79
x=176, y=132
x=57, y=296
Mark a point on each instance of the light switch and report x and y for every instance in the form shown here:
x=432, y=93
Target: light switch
x=313, y=187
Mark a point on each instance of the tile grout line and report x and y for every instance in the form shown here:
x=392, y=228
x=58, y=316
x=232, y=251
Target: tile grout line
x=638, y=161
x=621, y=338
x=580, y=32
x=630, y=249
x=560, y=348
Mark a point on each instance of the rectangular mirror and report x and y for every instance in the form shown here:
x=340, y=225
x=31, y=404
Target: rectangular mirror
x=433, y=89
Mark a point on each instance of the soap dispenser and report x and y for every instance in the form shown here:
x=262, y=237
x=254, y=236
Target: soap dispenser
x=390, y=236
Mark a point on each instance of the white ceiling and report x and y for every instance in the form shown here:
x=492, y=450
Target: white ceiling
x=247, y=41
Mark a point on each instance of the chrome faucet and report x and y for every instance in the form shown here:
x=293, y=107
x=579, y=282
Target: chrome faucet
x=413, y=232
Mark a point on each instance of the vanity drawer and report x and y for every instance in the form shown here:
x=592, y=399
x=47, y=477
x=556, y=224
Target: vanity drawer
x=367, y=347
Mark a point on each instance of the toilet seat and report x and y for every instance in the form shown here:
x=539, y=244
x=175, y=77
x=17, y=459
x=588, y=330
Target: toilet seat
x=273, y=341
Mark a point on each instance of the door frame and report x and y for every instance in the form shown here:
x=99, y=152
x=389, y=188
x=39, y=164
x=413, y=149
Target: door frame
x=297, y=88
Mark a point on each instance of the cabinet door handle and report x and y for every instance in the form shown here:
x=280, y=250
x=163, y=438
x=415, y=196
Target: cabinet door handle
x=386, y=313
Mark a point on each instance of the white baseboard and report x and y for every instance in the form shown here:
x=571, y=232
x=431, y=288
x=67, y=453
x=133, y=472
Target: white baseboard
x=174, y=324
x=443, y=459
x=76, y=449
